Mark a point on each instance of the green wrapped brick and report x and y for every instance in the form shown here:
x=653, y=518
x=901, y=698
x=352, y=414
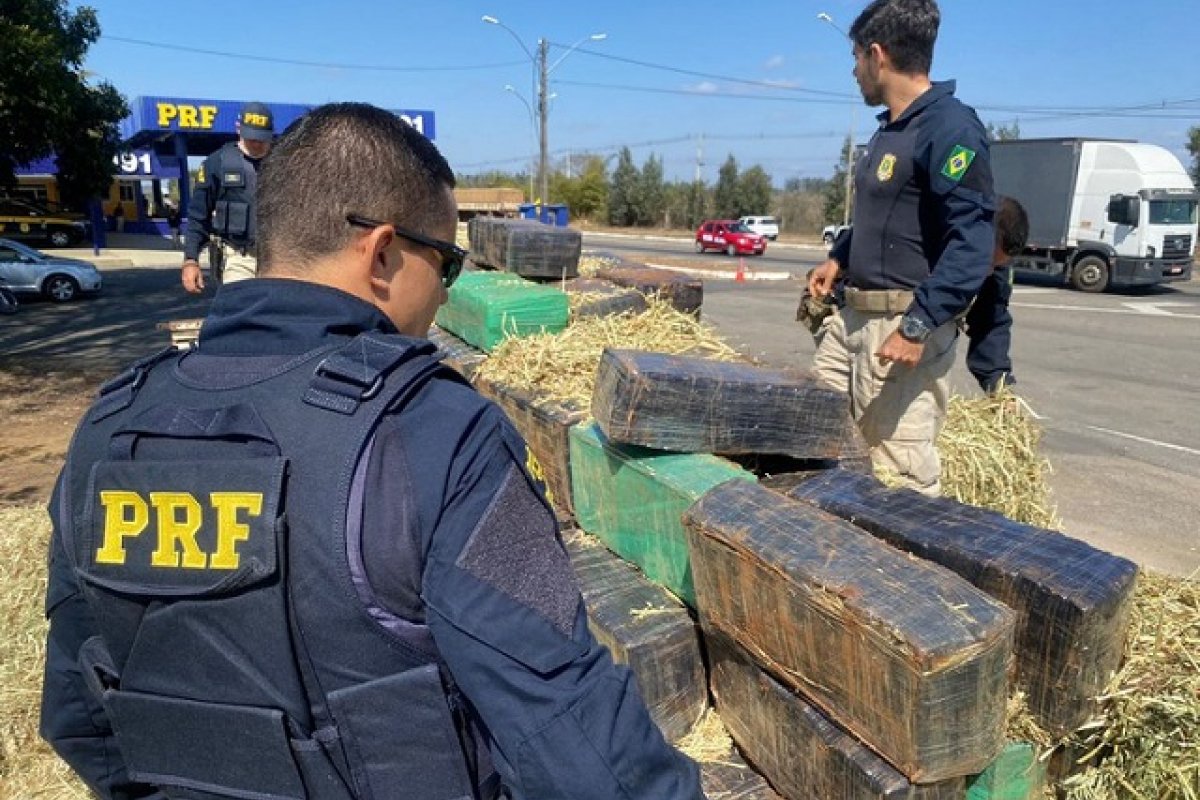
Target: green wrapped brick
x=903, y=653
x=1072, y=600
x=485, y=308
x=804, y=754
x=633, y=498
x=646, y=628
x=1017, y=774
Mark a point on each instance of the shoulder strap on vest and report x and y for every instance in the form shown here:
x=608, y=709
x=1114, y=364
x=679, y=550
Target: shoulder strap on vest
x=117, y=393
x=355, y=374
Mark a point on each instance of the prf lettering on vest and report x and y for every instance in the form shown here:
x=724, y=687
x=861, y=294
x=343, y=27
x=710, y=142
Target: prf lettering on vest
x=177, y=517
x=189, y=116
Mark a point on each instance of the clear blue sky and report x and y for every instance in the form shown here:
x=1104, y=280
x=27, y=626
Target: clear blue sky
x=1011, y=59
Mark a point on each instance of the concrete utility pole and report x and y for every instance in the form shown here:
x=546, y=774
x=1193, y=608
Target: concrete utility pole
x=543, y=112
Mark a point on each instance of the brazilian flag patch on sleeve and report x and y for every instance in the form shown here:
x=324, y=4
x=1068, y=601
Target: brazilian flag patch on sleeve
x=958, y=162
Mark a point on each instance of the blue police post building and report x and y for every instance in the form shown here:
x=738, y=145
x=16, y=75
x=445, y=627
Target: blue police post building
x=158, y=137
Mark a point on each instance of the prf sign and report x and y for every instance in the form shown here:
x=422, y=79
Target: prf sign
x=186, y=116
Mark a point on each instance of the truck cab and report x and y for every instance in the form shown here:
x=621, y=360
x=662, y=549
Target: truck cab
x=1102, y=212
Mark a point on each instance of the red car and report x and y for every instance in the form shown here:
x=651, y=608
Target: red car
x=731, y=236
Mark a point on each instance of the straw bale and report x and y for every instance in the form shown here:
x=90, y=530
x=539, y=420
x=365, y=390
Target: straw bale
x=563, y=365
x=29, y=769
x=989, y=449
x=1146, y=742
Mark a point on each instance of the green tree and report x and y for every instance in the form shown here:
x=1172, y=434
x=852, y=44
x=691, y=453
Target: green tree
x=586, y=195
x=1003, y=133
x=46, y=104
x=623, y=191
x=754, y=192
x=727, y=195
x=1193, y=146
x=652, y=193
x=835, y=189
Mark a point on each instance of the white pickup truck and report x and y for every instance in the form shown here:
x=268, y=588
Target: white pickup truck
x=830, y=233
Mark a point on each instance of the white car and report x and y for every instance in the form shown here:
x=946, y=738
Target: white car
x=767, y=227
x=24, y=270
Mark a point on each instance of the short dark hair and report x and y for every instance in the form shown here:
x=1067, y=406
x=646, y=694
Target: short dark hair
x=906, y=29
x=338, y=159
x=1012, y=226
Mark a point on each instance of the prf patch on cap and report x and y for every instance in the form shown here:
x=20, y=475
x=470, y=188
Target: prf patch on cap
x=257, y=120
x=958, y=163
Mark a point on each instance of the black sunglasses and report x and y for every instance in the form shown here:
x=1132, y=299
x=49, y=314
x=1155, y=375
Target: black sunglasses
x=452, y=255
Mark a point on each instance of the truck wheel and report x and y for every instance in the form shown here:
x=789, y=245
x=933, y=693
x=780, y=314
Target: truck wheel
x=731, y=250
x=1090, y=274
x=699, y=247
x=827, y=238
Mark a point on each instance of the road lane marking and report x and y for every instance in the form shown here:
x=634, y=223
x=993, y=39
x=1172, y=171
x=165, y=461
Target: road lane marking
x=1144, y=440
x=727, y=275
x=1096, y=310
x=1154, y=308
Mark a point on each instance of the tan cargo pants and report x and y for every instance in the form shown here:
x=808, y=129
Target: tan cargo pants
x=238, y=267
x=900, y=410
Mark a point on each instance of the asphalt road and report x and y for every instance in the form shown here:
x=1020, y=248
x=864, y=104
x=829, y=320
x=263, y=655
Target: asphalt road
x=1115, y=378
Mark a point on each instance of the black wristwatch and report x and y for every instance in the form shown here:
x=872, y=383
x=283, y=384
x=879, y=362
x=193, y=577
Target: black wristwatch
x=914, y=329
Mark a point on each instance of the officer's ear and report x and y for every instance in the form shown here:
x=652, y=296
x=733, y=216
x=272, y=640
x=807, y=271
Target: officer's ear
x=383, y=259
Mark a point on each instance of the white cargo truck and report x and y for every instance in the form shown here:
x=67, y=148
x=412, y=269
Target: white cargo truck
x=1101, y=212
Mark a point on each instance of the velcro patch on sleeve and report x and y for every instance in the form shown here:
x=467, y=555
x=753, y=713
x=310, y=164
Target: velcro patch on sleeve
x=958, y=162
x=515, y=550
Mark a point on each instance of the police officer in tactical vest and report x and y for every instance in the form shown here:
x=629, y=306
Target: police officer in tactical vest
x=221, y=212
x=306, y=560
x=920, y=248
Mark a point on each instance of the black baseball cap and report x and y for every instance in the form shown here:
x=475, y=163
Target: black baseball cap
x=257, y=123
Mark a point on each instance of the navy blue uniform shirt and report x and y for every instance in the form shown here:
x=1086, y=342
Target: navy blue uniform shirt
x=989, y=332
x=563, y=719
x=923, y=208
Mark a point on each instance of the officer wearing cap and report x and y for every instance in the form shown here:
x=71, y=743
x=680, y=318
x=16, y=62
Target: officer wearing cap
x=920, y=248
x=305, y=560
x=222, y=205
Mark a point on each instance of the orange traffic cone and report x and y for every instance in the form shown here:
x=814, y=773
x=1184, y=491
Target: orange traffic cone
x=740, y=276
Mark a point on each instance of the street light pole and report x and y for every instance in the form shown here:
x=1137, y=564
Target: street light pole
x=543, y=113
x=824, y=17
x=533, y=130
x=540, y=88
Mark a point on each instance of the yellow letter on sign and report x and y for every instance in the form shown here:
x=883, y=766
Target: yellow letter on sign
x=230, y=530
x=207, y=115
x=125, y=514
x=166, y=113
x=176, y=527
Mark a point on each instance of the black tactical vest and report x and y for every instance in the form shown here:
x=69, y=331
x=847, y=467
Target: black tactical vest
x=233, y=211
x=209, y=533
